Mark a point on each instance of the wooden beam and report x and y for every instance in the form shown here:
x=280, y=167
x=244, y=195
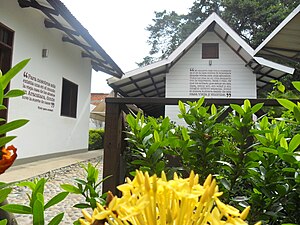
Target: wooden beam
x=112, y=147
x=142, y=78
x=91, y=56
x=208, y=101
x=237, y=52
x=154, y=83
x=157, y=90
x=138, y=88
x=51, y=24
x=146, y=86
x=76, y=42
x=100, y=67
x=272, y=53
x=36, y=5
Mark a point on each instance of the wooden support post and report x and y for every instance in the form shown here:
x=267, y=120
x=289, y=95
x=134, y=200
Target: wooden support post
x=112, y=146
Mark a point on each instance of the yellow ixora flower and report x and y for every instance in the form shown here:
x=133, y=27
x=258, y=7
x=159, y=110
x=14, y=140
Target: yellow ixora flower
x=157, y=201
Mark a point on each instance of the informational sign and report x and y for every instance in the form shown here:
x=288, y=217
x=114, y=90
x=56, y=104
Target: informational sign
x=39, y=91
x=210, y=83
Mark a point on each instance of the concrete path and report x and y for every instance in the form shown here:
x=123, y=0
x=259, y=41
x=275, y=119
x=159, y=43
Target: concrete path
x=25, y=171
x=58, y=171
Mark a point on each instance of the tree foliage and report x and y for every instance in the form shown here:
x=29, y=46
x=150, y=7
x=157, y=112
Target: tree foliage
x=253, y=20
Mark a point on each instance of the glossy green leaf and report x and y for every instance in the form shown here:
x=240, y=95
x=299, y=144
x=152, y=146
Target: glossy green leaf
x=80, y=181
x=38, y=212
x=82, y=206
x=247, y=105
x=213, y=109
x=296, y=84
x=296, y=113
x=12, y=125
x=1, y=93
x=140, y=162
x=237, y=108
x=38, y=190
x=294, y=143
x=76, y=222
x=3, y=222
x=153, y=148
x=156, y=136
x=70, y=188
x=103, y=180
x=29, y=184
x=5, y=140
x=145, y=130
x=14, y=93
x=181, y=107
x=290, y=170
x=225, y=183
x=6, y=78
x=16, y=208
x=185, y=134
x=257, y=107
x=281, y=87
x=264, y=123
x=289, y=157
x=4, y=193
x=283, y=143
x=131, y=121
x=56, y=199
x=200, y=102
x=287, y=104
x=268, y=150
x=160, y=166
x=57, y=219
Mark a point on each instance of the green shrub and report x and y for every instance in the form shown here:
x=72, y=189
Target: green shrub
x=96, y=138
x=254, y=162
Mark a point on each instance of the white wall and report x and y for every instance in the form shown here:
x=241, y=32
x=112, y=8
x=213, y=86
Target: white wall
x=243, y=83
x=47, y=132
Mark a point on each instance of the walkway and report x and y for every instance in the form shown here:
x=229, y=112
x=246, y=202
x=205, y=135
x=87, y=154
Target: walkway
x=58, y=171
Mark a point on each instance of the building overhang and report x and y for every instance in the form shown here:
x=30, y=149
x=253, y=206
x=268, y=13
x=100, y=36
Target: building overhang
x=57, y=16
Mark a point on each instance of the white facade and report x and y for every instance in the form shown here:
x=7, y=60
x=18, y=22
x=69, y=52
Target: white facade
x=241, y=80
x=47, y=132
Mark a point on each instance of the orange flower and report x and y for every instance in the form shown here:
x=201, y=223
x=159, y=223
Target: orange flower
x=9, y=155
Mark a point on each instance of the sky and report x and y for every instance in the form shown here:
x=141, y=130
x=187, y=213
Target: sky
x=119, y=28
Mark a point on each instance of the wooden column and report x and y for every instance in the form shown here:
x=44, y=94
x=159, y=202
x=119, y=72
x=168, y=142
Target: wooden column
x=112, y=146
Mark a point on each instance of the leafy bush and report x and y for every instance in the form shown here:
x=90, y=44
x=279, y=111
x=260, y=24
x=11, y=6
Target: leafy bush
x=37, y=206
x=96, y=137
x=254, y=162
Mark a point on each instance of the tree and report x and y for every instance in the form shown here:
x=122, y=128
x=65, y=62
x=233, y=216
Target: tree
x=253, y=20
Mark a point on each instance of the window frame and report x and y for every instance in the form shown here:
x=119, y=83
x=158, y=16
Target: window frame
x=210, y=51
x=6, y=52
x=69, y=98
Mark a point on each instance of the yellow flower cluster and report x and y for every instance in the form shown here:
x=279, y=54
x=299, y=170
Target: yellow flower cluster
x=156, y=201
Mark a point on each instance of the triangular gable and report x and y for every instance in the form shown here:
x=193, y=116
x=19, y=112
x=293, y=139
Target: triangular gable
x=149, y=81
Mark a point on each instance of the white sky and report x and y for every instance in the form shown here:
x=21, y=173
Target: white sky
x=119, y=28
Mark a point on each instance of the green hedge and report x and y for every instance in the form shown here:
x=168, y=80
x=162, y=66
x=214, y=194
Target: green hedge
x=96, y=137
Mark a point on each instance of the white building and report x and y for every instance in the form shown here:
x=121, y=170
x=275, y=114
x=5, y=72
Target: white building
x=213, y=61
x=57, y=79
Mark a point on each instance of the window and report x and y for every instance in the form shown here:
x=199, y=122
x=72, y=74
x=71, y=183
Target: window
x=210, y=50
x=6, y=46
x=69, y=99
